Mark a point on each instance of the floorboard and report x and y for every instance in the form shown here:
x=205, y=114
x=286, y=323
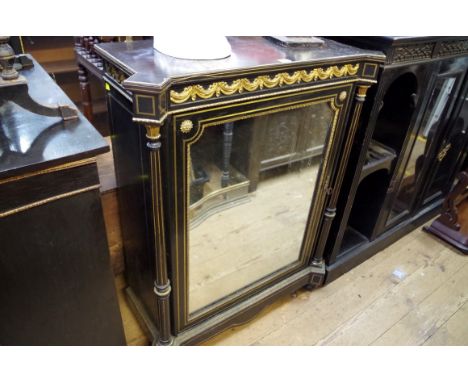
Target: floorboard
x=424, y=302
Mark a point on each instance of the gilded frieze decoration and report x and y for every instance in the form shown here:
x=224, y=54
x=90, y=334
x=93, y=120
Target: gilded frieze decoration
x=241, y=85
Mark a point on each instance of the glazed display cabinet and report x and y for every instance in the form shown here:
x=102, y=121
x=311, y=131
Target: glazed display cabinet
x=409, y=150
x=228, y=174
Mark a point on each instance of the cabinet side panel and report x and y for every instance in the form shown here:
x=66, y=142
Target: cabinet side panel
x=128, y=145
x=56, y=283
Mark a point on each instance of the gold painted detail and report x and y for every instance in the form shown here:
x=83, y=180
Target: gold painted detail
x=65, y=166
x=342, y=96
x=361, y=91
x=153, y=131
x=186, y=126
x=244, y=84
x=443, y=152
x=47, y=200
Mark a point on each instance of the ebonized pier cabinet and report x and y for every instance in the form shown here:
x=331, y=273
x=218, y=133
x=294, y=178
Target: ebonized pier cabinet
x=409, y=149
x=228, y=174
x=56, y=284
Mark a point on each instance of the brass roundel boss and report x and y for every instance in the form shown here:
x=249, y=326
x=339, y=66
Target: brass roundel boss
x=186, y=126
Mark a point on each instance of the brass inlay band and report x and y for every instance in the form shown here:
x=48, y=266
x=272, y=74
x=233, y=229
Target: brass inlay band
x=264, y=81
x=49, y=170
x=47, y=200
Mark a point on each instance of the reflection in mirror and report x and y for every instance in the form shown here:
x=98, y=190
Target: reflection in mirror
x=251, y=184
x=432, y=118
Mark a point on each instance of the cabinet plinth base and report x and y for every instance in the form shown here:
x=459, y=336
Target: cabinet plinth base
x=311, y=277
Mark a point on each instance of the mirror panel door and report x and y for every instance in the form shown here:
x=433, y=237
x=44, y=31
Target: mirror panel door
x=251, y=183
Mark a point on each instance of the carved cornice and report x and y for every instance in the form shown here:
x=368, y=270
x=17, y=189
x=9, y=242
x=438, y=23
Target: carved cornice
x=453, y=47
x=238, y=86
x=413, y=52
x=428, y=50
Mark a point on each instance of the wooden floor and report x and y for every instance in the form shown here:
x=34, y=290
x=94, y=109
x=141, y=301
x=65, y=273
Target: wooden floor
x=414, y=292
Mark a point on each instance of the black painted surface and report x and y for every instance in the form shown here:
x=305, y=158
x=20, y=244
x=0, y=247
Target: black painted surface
x=147, y=73
x=29, y=142
x=56, y=285
x=27, y=190
x=396, y=114
x=128, y=147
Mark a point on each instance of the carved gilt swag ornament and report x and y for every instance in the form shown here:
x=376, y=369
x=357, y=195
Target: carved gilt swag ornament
x=264, y=81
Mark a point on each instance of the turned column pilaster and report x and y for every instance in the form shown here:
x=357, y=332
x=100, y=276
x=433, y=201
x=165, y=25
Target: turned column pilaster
x=162, y=284
x=330, y=210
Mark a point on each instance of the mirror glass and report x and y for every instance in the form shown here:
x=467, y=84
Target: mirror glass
x=251, y=184
x=407, y=188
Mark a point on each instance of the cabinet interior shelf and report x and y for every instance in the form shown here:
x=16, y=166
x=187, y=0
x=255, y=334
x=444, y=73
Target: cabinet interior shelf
x=352, y=239
x=378, y=157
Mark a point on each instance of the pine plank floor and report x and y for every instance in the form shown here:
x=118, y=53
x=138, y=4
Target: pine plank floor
x=425, y=302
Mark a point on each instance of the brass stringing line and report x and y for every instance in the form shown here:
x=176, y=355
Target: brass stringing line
x=309, y=240
x=161, y=205
x=154, y=207
x=138, y=96
x=65, y=166
x=347, y=150
x=162, y=239
x=292, y=106
x=260, y=82
x=176, y=217
x=47, y=200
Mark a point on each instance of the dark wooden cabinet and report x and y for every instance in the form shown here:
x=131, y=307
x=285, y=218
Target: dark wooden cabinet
x=228, y=174
x=56, y=285
x=416, y=118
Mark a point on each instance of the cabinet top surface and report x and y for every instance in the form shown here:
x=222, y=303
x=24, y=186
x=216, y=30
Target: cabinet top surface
x=30, y=142
x=148, y=67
